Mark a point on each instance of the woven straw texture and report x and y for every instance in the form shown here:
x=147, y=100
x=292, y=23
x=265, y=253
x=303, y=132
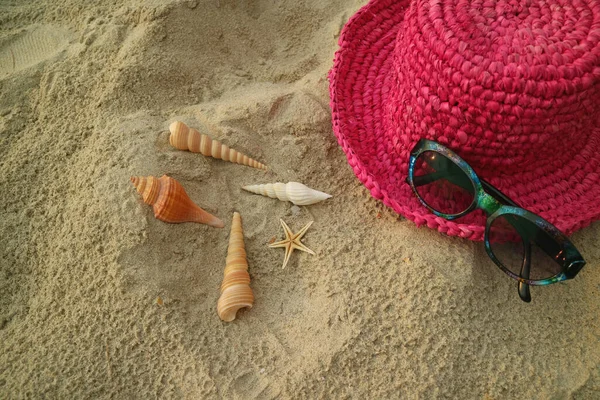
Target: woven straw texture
x=513, y=87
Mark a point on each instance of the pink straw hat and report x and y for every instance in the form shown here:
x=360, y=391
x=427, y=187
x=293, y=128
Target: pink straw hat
x=511, y=86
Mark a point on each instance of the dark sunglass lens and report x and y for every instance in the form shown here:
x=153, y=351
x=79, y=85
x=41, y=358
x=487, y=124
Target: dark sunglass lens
x=514, y=238
x=442, y=184
x=507, y=246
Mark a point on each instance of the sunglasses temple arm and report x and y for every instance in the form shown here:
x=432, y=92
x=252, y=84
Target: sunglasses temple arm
x=523, y=288
x=525, y=269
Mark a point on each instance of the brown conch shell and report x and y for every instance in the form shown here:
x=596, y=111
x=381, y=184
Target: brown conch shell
x=170, y=201
x=235, y=289
x=184, y=138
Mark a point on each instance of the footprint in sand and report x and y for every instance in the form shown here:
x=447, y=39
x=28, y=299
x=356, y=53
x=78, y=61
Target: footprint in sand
x=31, y=46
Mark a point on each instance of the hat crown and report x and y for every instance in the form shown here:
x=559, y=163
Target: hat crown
x=510, y=84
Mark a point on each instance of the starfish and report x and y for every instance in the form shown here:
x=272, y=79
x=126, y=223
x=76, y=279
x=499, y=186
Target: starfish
x=292, y=241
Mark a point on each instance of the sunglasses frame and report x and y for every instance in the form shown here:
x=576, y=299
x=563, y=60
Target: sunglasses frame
x=495, y=204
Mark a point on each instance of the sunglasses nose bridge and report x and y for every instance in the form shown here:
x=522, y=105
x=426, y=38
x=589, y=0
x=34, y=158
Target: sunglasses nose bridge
x=487, y=203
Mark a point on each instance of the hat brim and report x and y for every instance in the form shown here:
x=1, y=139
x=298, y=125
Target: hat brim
x=359, y=83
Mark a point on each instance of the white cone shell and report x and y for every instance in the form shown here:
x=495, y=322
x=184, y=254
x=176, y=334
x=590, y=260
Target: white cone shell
x=296, y=192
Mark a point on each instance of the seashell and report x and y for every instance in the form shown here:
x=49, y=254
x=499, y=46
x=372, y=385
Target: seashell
x=235, y=289
x=170, y=201
x=295, y=192
x=184, y=138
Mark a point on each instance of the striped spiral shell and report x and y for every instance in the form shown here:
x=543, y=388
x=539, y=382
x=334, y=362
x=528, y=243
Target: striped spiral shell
x=295, y=192
x=170, y=202
x=235, y=289
x=184, y=138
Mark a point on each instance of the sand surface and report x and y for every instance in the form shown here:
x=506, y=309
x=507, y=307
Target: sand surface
x=383, y=310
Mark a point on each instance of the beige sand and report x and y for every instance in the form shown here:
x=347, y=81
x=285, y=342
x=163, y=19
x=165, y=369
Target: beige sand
x=383, y=310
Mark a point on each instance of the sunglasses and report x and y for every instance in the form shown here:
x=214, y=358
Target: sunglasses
x=525, y=246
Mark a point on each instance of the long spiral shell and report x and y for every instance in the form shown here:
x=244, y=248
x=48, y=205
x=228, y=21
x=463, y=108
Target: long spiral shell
x=235, y=289
x=295, y=192
x=184, y=138
x=170, y=202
